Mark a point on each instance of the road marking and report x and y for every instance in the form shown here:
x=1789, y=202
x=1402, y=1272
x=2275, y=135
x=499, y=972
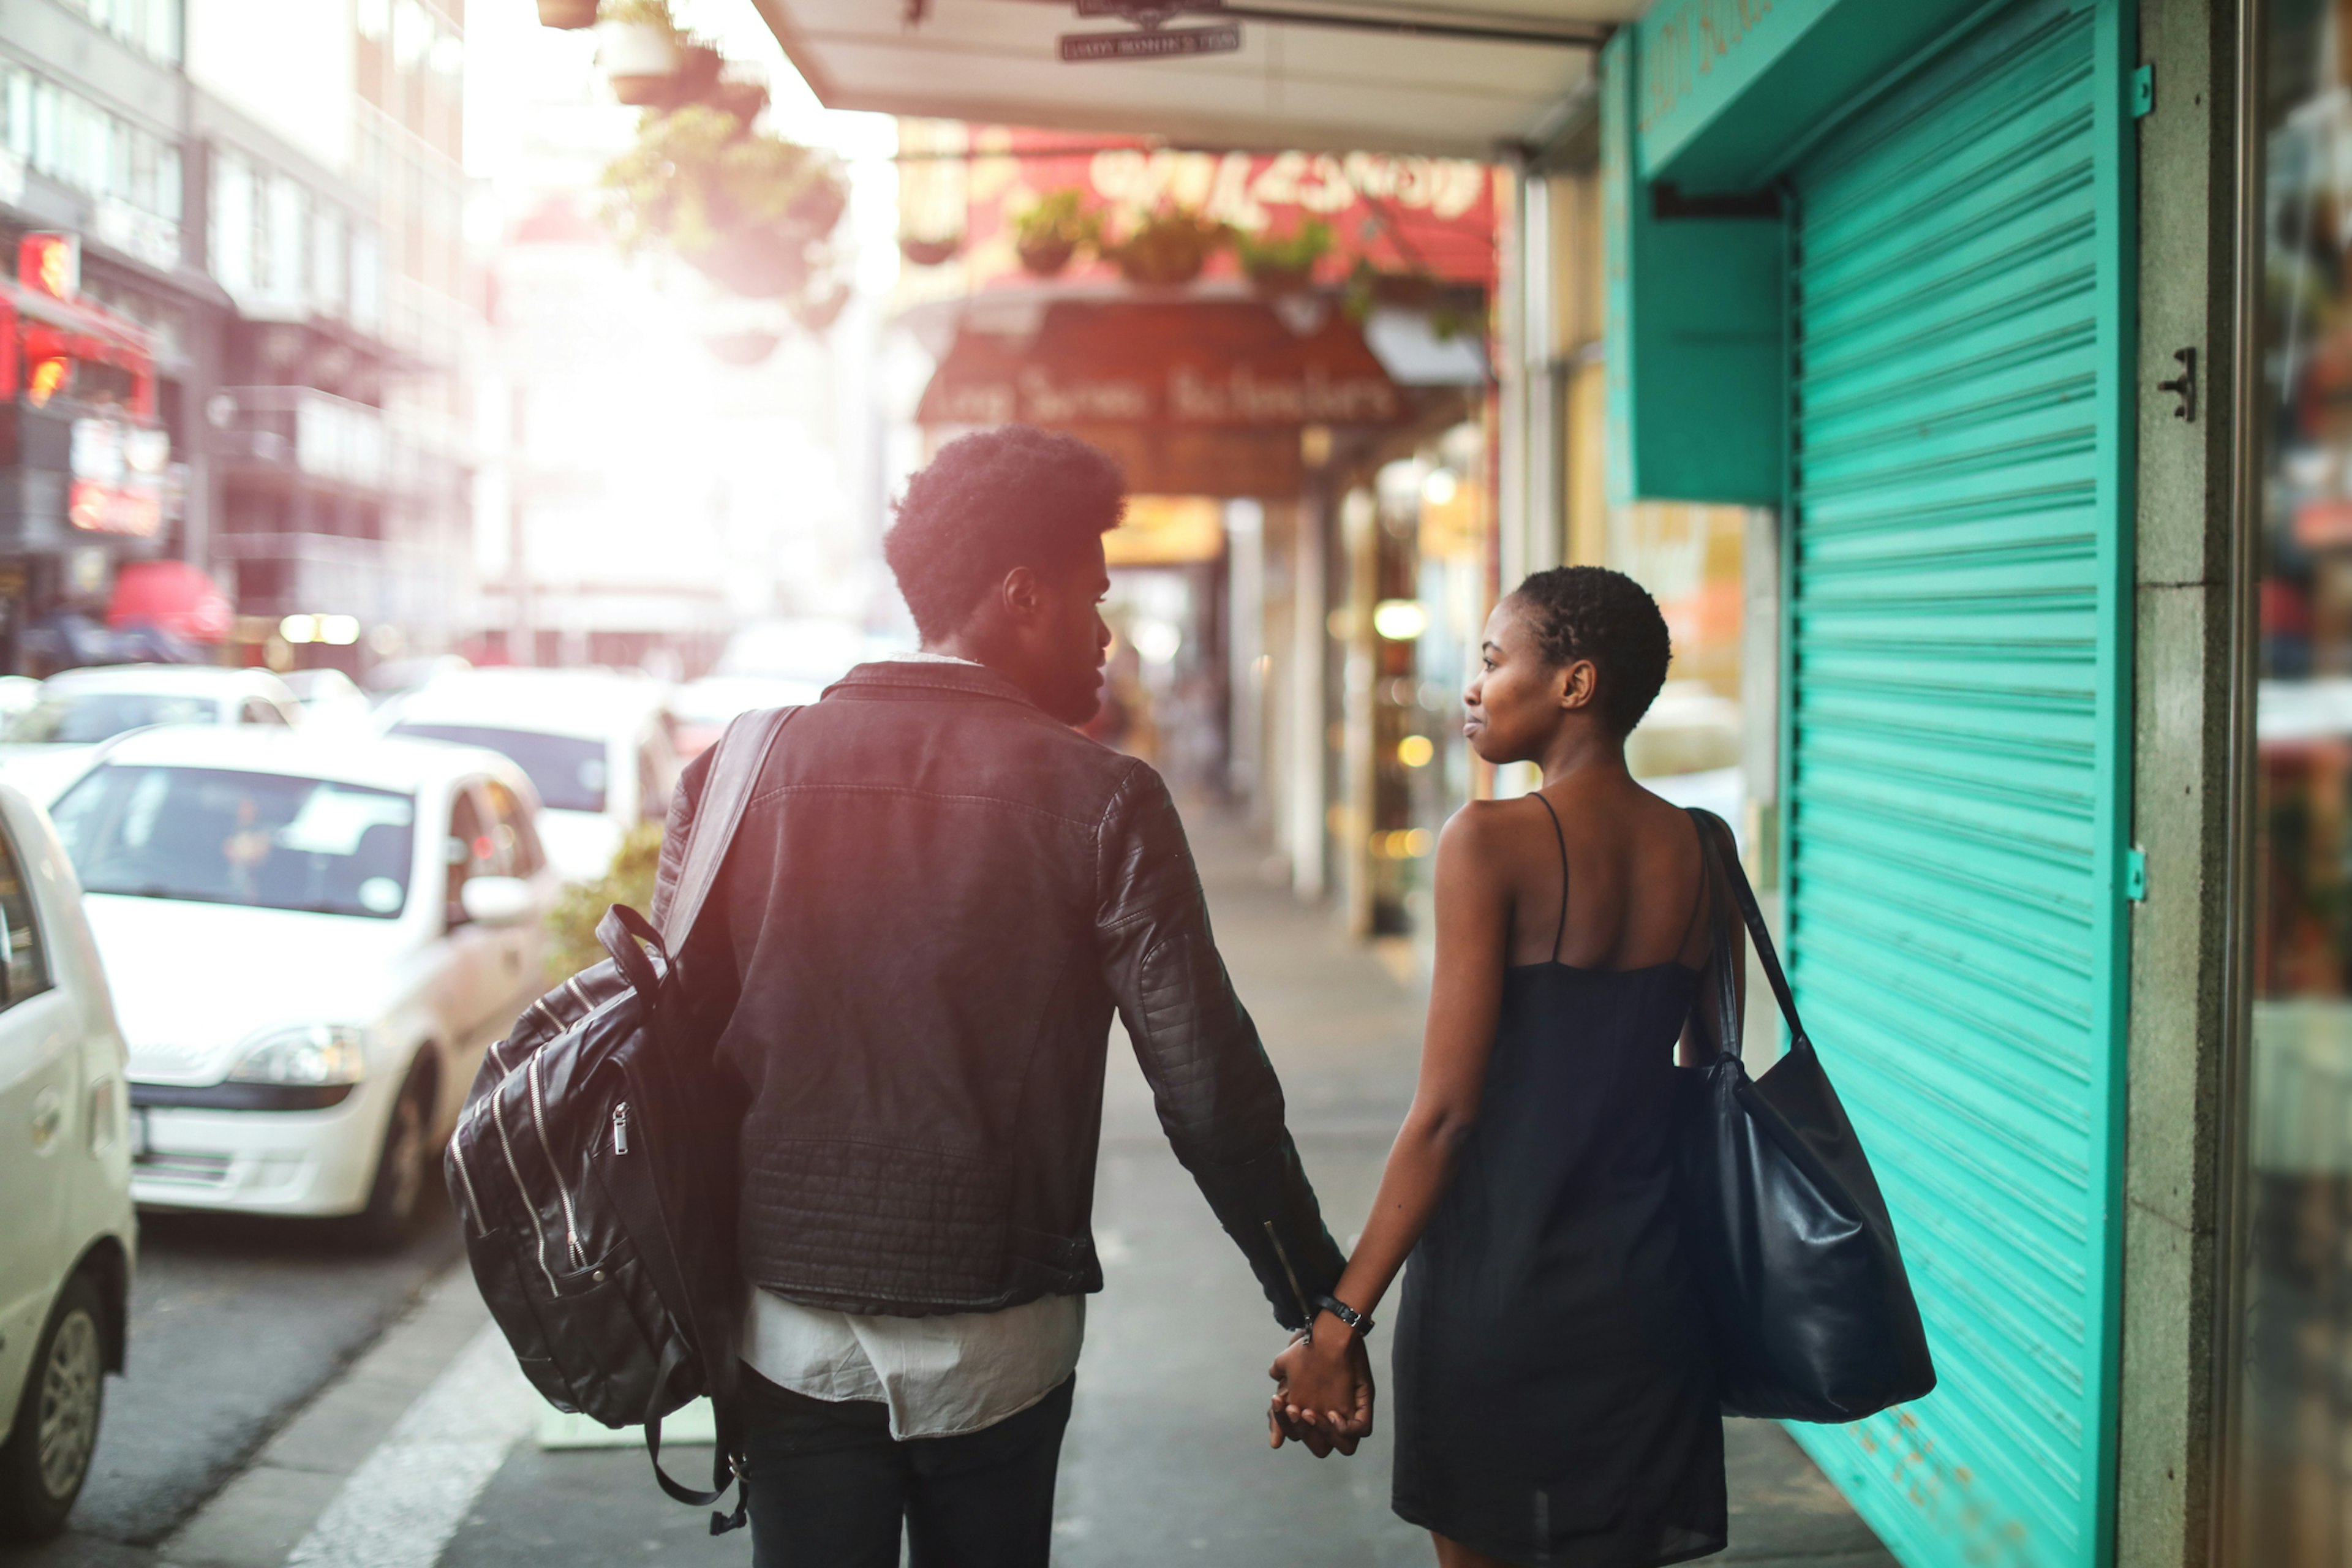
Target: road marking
x=408, y=1497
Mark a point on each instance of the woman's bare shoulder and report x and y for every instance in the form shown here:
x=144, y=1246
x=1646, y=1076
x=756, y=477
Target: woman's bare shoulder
x=1492, y=831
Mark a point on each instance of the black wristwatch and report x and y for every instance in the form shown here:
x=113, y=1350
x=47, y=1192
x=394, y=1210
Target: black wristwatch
x=1346, y=1314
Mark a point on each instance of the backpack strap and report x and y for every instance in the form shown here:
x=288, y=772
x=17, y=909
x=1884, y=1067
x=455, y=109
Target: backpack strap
x=735, y=768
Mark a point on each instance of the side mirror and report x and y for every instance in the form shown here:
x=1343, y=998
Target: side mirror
x=497, y=901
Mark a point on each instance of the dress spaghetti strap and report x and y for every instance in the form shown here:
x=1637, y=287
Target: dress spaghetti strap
x=1560, y=931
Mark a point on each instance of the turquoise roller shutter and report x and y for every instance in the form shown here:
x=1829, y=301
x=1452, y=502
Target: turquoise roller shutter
x=1956, y=753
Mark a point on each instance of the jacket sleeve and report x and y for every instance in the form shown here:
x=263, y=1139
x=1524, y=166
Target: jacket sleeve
x=1216, y=1092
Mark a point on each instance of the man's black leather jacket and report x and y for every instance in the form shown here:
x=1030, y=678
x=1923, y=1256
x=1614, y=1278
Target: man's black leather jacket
x=937, y=898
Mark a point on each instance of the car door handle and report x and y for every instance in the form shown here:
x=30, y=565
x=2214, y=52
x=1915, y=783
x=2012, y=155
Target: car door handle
x=49, y=1115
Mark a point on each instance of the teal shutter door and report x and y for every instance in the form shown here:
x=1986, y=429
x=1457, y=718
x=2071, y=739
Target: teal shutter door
x=1955, y=764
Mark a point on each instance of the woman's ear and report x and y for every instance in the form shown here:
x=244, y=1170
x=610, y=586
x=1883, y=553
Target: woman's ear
x=1580, y=679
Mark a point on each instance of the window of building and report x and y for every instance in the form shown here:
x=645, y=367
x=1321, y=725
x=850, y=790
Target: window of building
x=232, y=221
x=77, y=144
x=2295, y=1461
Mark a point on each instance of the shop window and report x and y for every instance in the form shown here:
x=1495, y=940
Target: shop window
x=2294, y=1463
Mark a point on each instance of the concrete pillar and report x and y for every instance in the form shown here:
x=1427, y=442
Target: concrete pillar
x=2185, y=939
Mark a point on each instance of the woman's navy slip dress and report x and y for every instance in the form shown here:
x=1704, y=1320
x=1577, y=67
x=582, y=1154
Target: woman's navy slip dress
x=1554, y=1385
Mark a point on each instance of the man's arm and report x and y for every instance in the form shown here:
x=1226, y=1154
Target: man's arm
x=1216, y=1093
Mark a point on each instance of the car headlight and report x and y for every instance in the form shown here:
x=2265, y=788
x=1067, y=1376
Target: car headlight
x=311, y=1053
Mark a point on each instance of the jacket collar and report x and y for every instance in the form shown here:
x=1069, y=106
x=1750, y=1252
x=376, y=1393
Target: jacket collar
x=928, y=674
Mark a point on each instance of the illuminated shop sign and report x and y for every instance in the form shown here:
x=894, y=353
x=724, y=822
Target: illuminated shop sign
x=118, y=478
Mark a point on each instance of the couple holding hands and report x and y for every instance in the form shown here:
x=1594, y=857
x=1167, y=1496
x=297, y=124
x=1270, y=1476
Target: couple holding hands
x=938, y=897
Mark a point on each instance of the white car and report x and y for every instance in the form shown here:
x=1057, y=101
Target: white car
x=47, y=746
x=595, y=742
x=68, y=1233
x=329, y=696
x=312, y=939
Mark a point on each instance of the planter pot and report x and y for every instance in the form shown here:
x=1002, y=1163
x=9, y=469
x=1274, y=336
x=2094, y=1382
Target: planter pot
x=567, y=13
x=641, y=59
x=1162, y=266
x=1275, y=281
x=698, y=73
x=930, y=252
x=1406, y=290
x=1168, y=252
x=1047, y=257
x=760, y=263
x=741, y=348
x=741, y=100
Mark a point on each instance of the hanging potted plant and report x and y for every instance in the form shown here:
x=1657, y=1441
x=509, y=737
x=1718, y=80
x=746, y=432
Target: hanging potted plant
x=567, y=13
x=1284, y=264
x=753, y=212
x=740, y=98
x=698, y=65
x=1048, y=233
x=1168, y=248
x=639, y=48
x=930, y=252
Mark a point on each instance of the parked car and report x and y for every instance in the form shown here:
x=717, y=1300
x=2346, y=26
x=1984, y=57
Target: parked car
x=56, y=740
x=703, y=709
x=67, y=1234
x=329, y=696
x=314, y=939
x=596, y=744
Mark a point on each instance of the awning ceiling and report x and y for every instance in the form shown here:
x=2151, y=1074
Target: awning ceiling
x=1291, y=85
x=1200, y=397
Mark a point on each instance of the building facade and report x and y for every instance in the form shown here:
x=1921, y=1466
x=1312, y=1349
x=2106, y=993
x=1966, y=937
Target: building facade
x=266, y=204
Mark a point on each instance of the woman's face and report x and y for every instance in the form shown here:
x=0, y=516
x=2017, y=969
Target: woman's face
x=1516, y=701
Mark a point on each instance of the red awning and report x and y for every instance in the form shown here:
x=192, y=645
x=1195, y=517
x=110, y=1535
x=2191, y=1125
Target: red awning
x=1195, y=397
x=171, y=595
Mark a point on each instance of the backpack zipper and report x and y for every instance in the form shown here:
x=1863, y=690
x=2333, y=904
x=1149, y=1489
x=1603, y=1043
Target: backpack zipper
x=473, y=1199
x=498, y=1118
x=621, y=1128
x=571, y=1221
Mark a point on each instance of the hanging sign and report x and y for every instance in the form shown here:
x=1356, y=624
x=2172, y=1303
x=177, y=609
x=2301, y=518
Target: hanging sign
x=1152, y=44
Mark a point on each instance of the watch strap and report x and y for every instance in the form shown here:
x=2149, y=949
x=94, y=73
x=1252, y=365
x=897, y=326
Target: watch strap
x=1346, y=1314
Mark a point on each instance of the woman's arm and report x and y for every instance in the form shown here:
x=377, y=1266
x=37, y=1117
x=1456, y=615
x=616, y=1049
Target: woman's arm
x=1464, y=1000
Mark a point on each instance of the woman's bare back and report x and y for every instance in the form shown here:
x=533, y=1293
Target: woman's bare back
x=1632, y=876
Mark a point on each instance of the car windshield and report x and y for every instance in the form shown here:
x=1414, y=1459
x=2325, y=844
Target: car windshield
x=223, y=837
x=86, y=718
x=568, y=772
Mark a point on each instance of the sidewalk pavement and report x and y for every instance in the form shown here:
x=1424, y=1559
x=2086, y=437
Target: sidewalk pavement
x=424, y=1457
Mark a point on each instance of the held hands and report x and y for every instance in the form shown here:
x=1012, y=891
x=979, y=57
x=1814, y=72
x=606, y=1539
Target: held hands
x=1323, y=1391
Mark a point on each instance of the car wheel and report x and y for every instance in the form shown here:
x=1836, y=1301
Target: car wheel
x=401, y=1170
x=47, y=1457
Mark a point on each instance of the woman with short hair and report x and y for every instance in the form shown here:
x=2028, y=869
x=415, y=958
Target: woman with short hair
x=1554, y=1384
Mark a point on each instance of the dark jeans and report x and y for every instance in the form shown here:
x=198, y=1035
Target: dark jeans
x=829, y=1485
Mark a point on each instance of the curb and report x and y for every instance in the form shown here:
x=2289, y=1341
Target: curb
x=258, y=1519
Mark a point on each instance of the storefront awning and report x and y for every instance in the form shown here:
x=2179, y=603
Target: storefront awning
x=1198, y=397
x=1480, y=76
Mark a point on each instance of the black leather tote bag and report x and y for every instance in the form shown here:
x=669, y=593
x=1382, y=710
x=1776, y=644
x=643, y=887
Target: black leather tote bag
x=1813, y=1315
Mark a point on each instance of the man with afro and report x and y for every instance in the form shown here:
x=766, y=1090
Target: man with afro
x=938, y=895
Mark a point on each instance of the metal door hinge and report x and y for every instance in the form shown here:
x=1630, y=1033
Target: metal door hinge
x=2183, y=386
x=2143, y=92
x=2136, y=875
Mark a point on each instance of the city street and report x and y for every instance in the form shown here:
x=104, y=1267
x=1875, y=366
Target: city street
x=243, y=1438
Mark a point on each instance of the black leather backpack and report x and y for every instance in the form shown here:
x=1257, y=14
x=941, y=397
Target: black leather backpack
x=594, y=1169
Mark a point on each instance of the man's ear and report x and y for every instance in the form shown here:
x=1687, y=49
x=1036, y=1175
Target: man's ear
x=1022, y=596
